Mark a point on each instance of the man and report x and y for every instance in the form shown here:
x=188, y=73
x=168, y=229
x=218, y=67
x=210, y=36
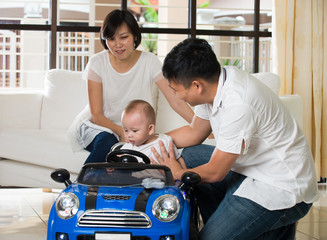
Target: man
x=260, y=178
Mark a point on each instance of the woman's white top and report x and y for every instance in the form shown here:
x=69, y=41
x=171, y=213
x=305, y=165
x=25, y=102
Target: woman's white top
x=276, y=158
x=118, y=90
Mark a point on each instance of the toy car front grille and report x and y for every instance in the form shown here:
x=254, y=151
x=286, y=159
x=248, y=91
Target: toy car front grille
x=116, y=197
x=112, y=218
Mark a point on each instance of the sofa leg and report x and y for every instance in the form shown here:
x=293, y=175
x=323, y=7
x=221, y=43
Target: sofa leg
x=46, y=189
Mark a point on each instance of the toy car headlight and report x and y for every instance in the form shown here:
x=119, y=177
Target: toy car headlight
x=67, y=205
x=166, y=208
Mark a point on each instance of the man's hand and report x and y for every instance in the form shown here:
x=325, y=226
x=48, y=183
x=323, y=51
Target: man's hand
x=168, y=159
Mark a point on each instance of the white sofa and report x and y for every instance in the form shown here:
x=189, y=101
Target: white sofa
x=33, y=126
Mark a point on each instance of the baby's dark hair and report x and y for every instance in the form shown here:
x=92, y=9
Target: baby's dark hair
x=143, y=106
x=190, y=59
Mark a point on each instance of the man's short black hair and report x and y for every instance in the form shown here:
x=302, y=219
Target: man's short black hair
x=190, y=59
x=114, y=20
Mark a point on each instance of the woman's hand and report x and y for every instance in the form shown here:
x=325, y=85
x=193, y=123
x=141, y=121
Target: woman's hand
x=121, y=135
x=168, y=159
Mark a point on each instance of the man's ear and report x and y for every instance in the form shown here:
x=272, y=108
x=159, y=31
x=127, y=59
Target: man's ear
x=198, y=85
x=152, y=129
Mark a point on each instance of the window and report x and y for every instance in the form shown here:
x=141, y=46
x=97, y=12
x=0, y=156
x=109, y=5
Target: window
x=38, y=35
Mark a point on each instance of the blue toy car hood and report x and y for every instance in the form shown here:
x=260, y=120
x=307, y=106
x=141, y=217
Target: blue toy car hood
x=122, y=198
x=108, y=197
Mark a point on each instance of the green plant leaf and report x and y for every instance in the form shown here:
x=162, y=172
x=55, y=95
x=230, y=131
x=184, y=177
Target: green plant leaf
x=229, y=62
x=204, y=5
x=150, y=15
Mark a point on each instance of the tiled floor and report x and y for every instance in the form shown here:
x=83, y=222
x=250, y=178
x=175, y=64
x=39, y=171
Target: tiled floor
x=24, y=215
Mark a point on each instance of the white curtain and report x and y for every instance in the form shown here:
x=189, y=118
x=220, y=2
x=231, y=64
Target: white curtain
x=300, y=59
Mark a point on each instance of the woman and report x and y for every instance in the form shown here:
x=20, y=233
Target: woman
x=115, y=76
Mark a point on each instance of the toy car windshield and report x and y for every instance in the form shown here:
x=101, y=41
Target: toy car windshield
x=122, y=174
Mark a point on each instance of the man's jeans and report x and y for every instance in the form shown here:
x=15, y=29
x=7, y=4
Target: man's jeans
x=228, y=217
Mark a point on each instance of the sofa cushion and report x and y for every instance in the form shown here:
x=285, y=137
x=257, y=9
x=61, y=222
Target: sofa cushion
x=47, y=148
x=65, y=96
x=18, y=174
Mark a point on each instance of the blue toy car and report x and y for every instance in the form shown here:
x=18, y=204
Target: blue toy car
x=124, y=199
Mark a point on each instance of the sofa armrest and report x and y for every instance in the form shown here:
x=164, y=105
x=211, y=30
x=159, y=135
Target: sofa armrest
x=20, y=109
x=295, y=106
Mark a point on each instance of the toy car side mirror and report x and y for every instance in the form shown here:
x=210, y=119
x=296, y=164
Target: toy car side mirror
x=188, y=181
x=61, y=176
x=191, y=179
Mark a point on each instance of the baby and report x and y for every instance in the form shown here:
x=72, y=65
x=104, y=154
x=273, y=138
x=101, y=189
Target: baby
x=138, y=120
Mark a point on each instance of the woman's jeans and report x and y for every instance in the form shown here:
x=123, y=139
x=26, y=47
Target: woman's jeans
x=228, y=217
x=100, y=147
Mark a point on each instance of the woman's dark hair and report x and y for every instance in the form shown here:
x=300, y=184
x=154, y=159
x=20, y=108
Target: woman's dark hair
x=114, y=20
x=190, y=59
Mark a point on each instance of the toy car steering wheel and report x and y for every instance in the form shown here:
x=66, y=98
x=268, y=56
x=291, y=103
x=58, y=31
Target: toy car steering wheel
x=114, y=156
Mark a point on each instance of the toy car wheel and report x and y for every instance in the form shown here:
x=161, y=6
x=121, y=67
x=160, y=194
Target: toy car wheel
x=195, y=224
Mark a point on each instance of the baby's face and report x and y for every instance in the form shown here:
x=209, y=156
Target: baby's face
x=136, y=128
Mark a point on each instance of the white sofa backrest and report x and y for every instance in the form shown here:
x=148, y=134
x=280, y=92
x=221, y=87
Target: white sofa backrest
x=167, y=119
x=65, y=96
x=294, y=104
x=271, y=80
x=20, y=109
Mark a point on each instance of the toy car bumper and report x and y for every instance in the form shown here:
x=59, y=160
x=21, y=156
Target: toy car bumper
x=166, y=233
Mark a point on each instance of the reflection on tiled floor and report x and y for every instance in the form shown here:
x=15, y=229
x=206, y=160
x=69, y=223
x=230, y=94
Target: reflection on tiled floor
x=24, y=215
x=314, y=224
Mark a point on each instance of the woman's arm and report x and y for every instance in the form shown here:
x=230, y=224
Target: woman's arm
x=179, y=106
x=96, y=108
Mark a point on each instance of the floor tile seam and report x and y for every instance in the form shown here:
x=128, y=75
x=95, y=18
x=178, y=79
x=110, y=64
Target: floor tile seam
x=34, y=210
x=319, y=209
x=307, y=235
